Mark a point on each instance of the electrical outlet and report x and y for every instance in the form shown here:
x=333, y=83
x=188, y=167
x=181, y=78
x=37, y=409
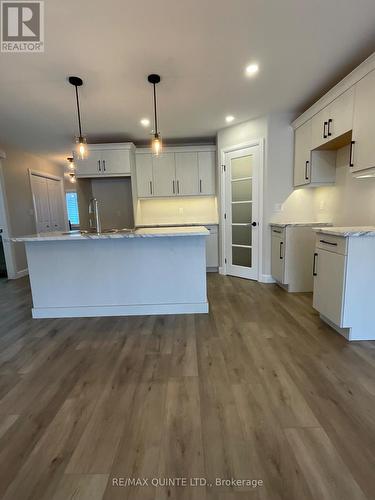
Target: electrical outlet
x=181, y=211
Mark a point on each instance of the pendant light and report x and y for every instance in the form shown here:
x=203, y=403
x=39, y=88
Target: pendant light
x=81, y=139
x=71, y=165
x=156, y=144
x=71, y=169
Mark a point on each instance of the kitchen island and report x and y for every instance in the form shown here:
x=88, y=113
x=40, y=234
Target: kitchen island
x=142, y=272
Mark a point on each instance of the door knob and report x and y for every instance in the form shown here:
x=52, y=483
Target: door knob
x=253, y=224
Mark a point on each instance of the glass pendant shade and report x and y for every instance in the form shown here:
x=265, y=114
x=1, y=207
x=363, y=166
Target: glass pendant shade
x=81, y=148
x=156, y=145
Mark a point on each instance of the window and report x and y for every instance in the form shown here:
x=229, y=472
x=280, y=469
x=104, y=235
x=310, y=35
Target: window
x=72, y=208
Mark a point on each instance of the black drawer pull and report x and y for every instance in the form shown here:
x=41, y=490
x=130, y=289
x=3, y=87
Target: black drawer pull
x=281, y=250
x=314, y=265
x=328, y=243
x=351, y=159
x=276, y=231
x=324, y=130
x=329, y=127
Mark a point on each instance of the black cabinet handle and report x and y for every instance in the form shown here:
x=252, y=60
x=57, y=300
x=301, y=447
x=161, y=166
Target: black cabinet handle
x=178, y=187
x=329, y=126
x=173, y=187
x=254, y=224
x=324, y=130
x=200, y=185
x=99, y=166
x=314, y=264
x=306, y=170
x=150, y=187
x=328, y=243
x=351, y=159
x=281, y=250
x=104, y=165
x=276, y=231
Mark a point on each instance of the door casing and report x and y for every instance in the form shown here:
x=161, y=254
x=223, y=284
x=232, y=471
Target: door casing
x=223, y=198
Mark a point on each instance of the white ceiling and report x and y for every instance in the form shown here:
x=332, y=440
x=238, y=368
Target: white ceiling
x=200, y=48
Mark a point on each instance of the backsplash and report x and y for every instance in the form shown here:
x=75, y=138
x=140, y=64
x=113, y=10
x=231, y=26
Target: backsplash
x=195, y=209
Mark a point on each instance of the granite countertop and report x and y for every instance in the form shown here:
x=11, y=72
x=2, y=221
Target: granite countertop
x=346, y=232
x=312, y=224
x=149, y=232
x=168, y=224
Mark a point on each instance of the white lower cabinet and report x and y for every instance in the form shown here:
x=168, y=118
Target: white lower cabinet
x=212, y=248
x=277, y=254
x=344, y=284
x=292, y=248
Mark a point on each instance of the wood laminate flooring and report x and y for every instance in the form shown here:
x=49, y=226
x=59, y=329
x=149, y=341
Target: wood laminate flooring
x=260, y=389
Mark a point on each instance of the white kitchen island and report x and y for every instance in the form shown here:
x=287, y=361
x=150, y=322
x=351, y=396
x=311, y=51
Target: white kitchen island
x=147, y=271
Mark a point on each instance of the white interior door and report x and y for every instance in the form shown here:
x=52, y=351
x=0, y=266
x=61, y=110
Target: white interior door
x=241, y=211
x=56, y=205
x=49, y=204
x=41, y=203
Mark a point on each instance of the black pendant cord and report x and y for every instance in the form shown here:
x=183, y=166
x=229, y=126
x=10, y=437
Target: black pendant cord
x=155, y=113
x=79, y=113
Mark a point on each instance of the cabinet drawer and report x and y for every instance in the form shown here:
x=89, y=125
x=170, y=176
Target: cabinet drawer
x=335, y=244
x=278, y=232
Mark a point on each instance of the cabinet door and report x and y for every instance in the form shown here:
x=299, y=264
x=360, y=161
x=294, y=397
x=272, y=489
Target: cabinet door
x=206, y=164
x=212, y=247
x=115, y=162
x=91, y=166
x=302, y=153
x=319, y=131
x=186, y=174
x=164, y=173
x=341, y=114
x=277, y=258
x=329, y=284
x=364, y=124
x=145, y=186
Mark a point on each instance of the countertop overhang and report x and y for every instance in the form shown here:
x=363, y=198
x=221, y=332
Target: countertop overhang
x=149, y=232
x=347, y=232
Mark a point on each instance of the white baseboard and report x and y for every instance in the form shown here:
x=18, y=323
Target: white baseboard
x=123, y=310
x=18, y=274
x=222, y=270
x=266, y=278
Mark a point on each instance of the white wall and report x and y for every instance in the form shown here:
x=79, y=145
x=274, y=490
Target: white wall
x=277, y=134
x=18, y=195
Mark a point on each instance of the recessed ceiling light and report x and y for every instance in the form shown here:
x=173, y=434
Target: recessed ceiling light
x=145, y=122
x=252, y=69
x=229, y=118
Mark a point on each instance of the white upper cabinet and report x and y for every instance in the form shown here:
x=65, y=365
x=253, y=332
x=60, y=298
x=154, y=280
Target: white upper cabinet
x=363, y=150
x=302, y=153
x=186, y=173
x=90, y=167
x=116, y=162
x=164, y=174
x=311, y=168
x=206, y=166
x=334, y=120
x=180, y=172
x=107, y=160
x=144, y=175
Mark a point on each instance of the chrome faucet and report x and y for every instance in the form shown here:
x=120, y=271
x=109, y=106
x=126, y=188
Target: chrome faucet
x=94, y=209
